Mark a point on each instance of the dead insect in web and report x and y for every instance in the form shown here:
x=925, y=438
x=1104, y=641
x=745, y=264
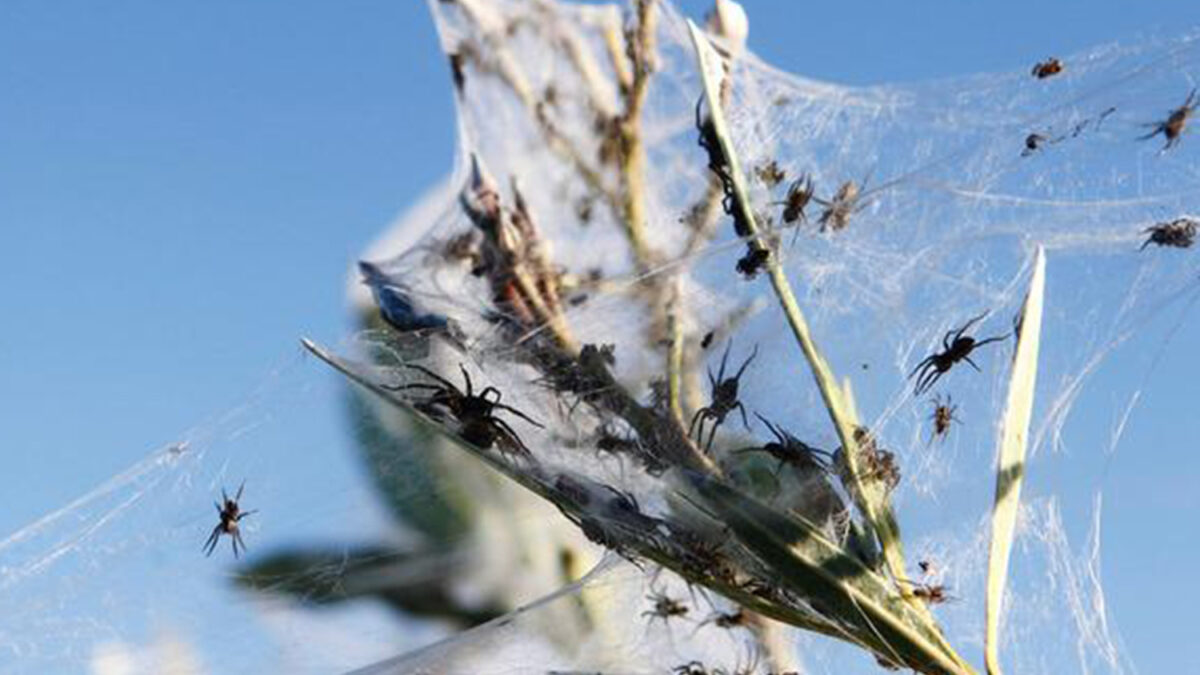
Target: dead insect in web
x=1179, y=233
x=1033, y=143
x=770, y=173
x=1172, y=127
x=706, y=340
x=942, y=416
x=724, y=399
x=230, y=514
x=475, y=413
x=838, y=210
x=799, y=194
x=665, y=607
x=789, y=450
x=1047, y=68
x=752, y=263
x=956, y=347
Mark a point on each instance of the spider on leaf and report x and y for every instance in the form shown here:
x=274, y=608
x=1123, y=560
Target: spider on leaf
x=476, y=413
x=956, y=346
x=230, y=514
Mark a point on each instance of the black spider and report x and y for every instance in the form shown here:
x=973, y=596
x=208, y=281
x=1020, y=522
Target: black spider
x=790, y=450
x=475, y=413
x=724, y=398
x=230, y=514
x=955, y=347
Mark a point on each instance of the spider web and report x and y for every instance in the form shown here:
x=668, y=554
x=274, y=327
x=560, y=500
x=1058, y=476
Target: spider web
x=953, y=204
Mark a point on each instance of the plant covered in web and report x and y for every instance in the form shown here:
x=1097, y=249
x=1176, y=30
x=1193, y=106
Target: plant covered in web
x=727, y=356
x=670, y=270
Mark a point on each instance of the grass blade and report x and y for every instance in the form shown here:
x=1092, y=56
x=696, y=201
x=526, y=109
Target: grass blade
x=1011, y=469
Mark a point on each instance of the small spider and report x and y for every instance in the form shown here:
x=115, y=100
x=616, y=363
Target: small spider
x=706, y=340
x=724, y=398
x=475, y=413
x=1180, y=233
x=791, y=450
x=955, y=347
x=1172, y=127
x=230, y=514
x=1047, y=68
x=932, y=594
x=942, y=416
x=727, y=620
x=691, y=668
x=875, y=463
x=838, y=210
x=770, y=174
x=799, y=194
x=665, y=607
x=750, y=264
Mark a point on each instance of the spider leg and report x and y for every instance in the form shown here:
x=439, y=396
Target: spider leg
x=981, y=343
x=967, y=325
x=712, y=431
x=968, y=360
x=724, y=361
x=211, y=543
x=742, y=409
x=510, y=435
x=412, y=385
x=245, y=513
x=696, y=418
x=217, y=507
x=467, y=377
x=238, y=496
x=928, y=378
x=443, y=381
x=518, y=413
x=921, y=366
x=747, y=363
x=235, y=540
x=770, y=426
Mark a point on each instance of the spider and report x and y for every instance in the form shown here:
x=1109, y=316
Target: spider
x=475, y=412
x=933, y=594
x=943, y=416
x=724, y=398
x=727, y=619
x=791, y=450
x=1172, y=127
x=230, y=514
x=955, y=347
x=665, y=607
x=838, y=210
x=875, y=463
x=1047, y=68
x=799, y=194
x=1180, y=233
x=1033, y=143
x=770, y=173
x=691, y=668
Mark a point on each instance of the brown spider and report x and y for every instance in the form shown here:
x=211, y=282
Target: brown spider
x=1180, y=233
x=727, y=620
x=838, y=210
x=1047, y=68
x=791, y=450
x=230, y=514
x=799, y=194
x=876, y=464
x=724, y=398
x=955, y=347
x=770, y=174
x=932, y=594
x=942, y=416
x=1172, y=127
x=475, y=413
x=665, y=607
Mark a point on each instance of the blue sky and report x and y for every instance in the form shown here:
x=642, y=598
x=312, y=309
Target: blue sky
x=183, y=186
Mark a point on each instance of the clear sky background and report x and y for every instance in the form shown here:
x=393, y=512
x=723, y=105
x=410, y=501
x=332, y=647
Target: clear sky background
x=183, y=186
